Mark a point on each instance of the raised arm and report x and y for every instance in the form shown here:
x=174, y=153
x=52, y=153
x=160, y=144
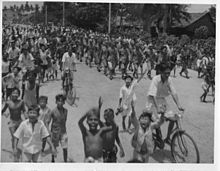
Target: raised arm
x=23, y=109
x=142, y=75
x=105, y=129
x=100, y=102
x=158, y=122
x=81, y=125
x=134, y=120
x=122, y=154
x=4, y=108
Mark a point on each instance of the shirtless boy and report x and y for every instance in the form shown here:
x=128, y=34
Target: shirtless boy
x=109, y=148
x=93, y=138
x=16, y=108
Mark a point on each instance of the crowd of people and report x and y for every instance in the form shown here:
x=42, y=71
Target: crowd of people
x=32, y=55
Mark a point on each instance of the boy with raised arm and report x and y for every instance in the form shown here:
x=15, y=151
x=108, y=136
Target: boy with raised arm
x=142, y=140
x=127, y=94
x=93, y=137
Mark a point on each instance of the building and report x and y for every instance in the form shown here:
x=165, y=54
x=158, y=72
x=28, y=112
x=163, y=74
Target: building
x=189, y=28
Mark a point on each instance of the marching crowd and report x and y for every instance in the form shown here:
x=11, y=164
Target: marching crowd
x=32, y=55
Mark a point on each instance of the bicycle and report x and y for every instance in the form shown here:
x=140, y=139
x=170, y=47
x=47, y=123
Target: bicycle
x=183, y=147
x=67, y=81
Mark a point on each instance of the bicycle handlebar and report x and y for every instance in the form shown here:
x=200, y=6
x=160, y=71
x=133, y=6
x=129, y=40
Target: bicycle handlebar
x=174, y=116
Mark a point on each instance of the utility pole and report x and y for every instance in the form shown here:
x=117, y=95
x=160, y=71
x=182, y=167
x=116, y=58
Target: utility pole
x=109, y=19
x=63, y=14
x=46, y=15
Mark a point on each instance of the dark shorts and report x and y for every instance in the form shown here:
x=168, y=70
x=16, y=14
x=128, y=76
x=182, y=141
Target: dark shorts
x=59, y=138
x=110, y=156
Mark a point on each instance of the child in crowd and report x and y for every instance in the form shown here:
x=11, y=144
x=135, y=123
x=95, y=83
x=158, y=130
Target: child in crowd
x=109, y=147
x=142, y=140
x=12, y=80
x=58, y=127
x=93, y=138
x=16, y=109
x=45, y=113
x=30, y=90
x=127, y=94
x=205, y=87
x=32, y=131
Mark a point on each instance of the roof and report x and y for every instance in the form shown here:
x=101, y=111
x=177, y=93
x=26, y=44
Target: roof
x=197, y=20
x=204, y=20
x=193, y=17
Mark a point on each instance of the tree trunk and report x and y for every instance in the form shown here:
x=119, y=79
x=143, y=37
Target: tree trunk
x=165, y=9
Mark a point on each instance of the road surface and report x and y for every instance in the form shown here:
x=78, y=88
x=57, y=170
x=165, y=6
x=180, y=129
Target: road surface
x=198, y=119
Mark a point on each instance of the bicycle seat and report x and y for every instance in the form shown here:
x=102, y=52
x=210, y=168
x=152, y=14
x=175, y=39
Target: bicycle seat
x=170, y=116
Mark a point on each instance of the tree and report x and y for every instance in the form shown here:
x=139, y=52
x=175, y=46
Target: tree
x=164, y=15
x=12, y=8
x=31, y=8
x=36, y=8
x=202, y=32
x=27, y=7
x=22, y=7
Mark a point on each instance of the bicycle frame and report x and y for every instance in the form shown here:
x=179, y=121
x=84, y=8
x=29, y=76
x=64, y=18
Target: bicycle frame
x=178, y=130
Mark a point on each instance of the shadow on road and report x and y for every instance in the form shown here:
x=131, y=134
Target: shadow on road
x=163, y=156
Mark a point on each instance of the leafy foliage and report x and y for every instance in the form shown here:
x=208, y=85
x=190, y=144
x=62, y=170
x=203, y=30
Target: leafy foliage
x=202, y=32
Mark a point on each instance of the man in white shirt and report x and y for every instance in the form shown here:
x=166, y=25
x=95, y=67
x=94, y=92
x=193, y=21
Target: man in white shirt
x=160, y=88
x=69, y=61
x=13, y=51
x=42, y=40
x=26, y=60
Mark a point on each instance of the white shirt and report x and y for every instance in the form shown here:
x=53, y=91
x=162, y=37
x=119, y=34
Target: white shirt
x=69, y=61
x=42, y=41
x=43, y=56
x=13, y=52
x=160, y=89
x=26, y=61
x=128, y=94
x=31, y=139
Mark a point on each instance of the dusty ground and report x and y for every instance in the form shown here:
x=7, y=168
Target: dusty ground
x=198, y=120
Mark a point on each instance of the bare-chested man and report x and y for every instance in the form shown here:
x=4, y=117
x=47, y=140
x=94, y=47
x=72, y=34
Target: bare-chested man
x=93, y=137
x=109, y=148
x=16, y=108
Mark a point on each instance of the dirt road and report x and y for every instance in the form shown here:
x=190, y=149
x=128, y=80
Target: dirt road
x=198, y=119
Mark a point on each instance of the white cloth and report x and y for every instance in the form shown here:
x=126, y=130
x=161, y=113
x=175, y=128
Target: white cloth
x=69, y=61
x=26, y=61
x=31, y=138
x=160, y=91
x=127, y=95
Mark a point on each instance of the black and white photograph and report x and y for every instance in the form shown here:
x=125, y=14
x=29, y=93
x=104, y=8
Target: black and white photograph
x=104, y=82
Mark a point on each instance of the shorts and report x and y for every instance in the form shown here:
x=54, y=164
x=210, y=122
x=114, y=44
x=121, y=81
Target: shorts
x=59, y=138
x=141, y=157
x=110, y=156
x=13, y=125
x=162, y=102
x=92, y=160
x=205, y=86
x=110, y=66
x=27, y=157
x=126, y=110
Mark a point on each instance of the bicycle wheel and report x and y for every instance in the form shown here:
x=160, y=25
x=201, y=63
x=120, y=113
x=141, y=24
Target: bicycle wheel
x=184, y=148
